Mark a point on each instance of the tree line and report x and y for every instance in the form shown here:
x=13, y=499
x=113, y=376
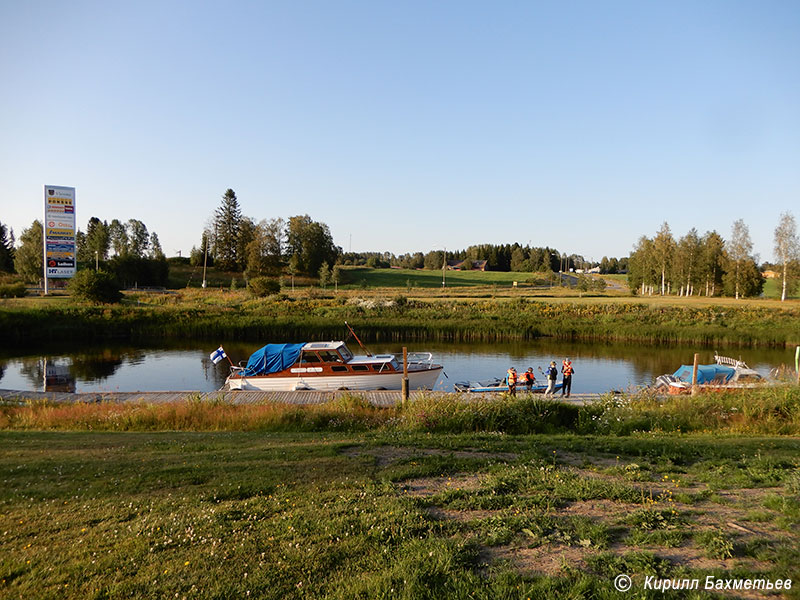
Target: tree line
x=710, y=265
x=498, y=257
x=234, y=242
x=691, y=265
x=127, y=251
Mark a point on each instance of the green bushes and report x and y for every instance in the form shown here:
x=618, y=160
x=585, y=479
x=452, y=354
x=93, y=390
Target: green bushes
x=12, y=290
x=94, y=286
x=263, y=286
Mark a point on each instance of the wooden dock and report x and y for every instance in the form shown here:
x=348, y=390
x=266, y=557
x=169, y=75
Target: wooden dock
x=377, y=398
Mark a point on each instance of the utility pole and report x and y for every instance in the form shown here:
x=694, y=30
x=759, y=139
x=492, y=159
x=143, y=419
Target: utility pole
x=205, y=259
x=444, y=267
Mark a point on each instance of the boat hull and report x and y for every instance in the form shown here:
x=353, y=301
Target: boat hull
x=418, y=379
x=536, y=389
x=686, y=389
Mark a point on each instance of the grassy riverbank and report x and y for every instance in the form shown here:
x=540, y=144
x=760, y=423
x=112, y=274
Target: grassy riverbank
x=430, y=503
x=222, y=315
x=767, y=411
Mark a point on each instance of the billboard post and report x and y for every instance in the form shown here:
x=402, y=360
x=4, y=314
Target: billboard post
x=58, y=233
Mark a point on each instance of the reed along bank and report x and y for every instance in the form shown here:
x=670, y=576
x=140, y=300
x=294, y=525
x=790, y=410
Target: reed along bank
x=226, y=316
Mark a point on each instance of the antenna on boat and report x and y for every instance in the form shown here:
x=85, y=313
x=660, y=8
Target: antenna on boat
x=363, y=347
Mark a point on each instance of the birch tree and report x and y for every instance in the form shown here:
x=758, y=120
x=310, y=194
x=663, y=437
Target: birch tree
x=664, y=248
x=687, y=258
x=787, y=248
x=739, y=248
x=713, y=261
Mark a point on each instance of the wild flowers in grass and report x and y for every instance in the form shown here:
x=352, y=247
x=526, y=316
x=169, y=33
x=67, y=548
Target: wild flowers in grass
x=766, y=411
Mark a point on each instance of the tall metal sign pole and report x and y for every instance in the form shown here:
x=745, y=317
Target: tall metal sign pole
x=58, y=233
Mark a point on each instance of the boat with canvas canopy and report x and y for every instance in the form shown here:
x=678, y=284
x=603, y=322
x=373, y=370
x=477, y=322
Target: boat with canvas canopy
x=725, y=374
x=329, y=366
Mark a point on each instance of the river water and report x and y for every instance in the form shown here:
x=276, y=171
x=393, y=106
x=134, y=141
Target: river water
x=599, y=367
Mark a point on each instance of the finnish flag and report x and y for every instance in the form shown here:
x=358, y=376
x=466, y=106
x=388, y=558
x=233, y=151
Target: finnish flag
x=217, y=355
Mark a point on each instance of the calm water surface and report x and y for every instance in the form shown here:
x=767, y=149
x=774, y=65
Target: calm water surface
x=598, y=367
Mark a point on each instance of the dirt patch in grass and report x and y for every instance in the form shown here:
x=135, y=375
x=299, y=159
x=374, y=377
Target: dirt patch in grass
x=581, y=460
x=428, y=486
x=543, y=560
x=599, y=509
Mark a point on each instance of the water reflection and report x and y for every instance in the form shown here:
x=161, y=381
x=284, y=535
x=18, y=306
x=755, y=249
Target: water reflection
x=599, y=367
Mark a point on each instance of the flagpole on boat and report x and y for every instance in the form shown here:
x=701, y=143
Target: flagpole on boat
x=226, y=356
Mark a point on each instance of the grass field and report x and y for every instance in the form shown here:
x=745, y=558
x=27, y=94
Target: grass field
x=182, y=276
x=388, y=515
x=415, y=278
x=505, y=498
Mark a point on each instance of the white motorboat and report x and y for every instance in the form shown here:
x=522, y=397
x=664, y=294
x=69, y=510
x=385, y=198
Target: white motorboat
x=329, y=366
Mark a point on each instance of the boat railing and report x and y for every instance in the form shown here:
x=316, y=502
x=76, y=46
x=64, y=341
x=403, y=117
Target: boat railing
x=420, y=358
x=730, y=362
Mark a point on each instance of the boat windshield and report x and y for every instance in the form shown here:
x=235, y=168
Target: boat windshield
x=330, y=356
x=346, y=354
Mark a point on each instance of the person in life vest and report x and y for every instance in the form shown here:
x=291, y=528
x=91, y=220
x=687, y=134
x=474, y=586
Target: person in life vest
x=567, y=370
x=511, y=381
x=552, y=375
x=528, y=378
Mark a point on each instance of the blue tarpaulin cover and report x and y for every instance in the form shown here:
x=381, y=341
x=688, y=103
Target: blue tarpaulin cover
x=705, y=373
x=272, y=358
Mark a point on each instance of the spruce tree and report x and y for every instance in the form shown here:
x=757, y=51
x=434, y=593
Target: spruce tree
x=6, y=249
x=227, y=226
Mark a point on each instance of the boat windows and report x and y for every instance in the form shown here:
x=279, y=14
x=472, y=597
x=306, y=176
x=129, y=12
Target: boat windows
x=339, y=369
x=360, y=368
x=309, y=357
x=382, y=367
x=329, y=356
x=346, y=354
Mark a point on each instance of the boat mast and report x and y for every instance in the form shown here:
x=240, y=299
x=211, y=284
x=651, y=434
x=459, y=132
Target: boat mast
x=363, y=347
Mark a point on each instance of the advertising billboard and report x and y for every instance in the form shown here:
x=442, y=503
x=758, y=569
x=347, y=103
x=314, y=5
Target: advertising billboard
x=59, y=231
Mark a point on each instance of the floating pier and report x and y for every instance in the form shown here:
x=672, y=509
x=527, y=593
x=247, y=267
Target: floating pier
x=376, y=398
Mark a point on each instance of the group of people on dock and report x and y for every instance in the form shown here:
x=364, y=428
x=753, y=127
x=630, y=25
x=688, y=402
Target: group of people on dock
x=528, y=379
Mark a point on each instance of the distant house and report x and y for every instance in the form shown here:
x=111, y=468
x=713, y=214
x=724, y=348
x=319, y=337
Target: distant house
x=477, y=265
x=771, y=274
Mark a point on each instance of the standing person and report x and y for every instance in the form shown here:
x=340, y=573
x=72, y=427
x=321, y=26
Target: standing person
x=552, y=375
x=528, y=378
x=511, y=380
x=567, y=370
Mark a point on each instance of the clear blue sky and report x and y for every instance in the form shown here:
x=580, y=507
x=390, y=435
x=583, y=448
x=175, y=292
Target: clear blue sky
x=408, y=126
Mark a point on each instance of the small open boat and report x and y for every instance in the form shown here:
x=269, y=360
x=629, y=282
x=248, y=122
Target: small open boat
x=328, y=366
x=499, y=385
x=725, y=374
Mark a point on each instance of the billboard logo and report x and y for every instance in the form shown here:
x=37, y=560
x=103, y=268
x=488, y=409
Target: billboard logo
x=51, y=192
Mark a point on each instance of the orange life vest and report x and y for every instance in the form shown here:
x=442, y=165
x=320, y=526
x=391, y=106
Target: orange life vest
x=567, y=370
x=512, y=377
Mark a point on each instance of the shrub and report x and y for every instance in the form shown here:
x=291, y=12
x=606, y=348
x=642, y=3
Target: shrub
x=12, y=290
x=263, y=286
x=95, y=286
